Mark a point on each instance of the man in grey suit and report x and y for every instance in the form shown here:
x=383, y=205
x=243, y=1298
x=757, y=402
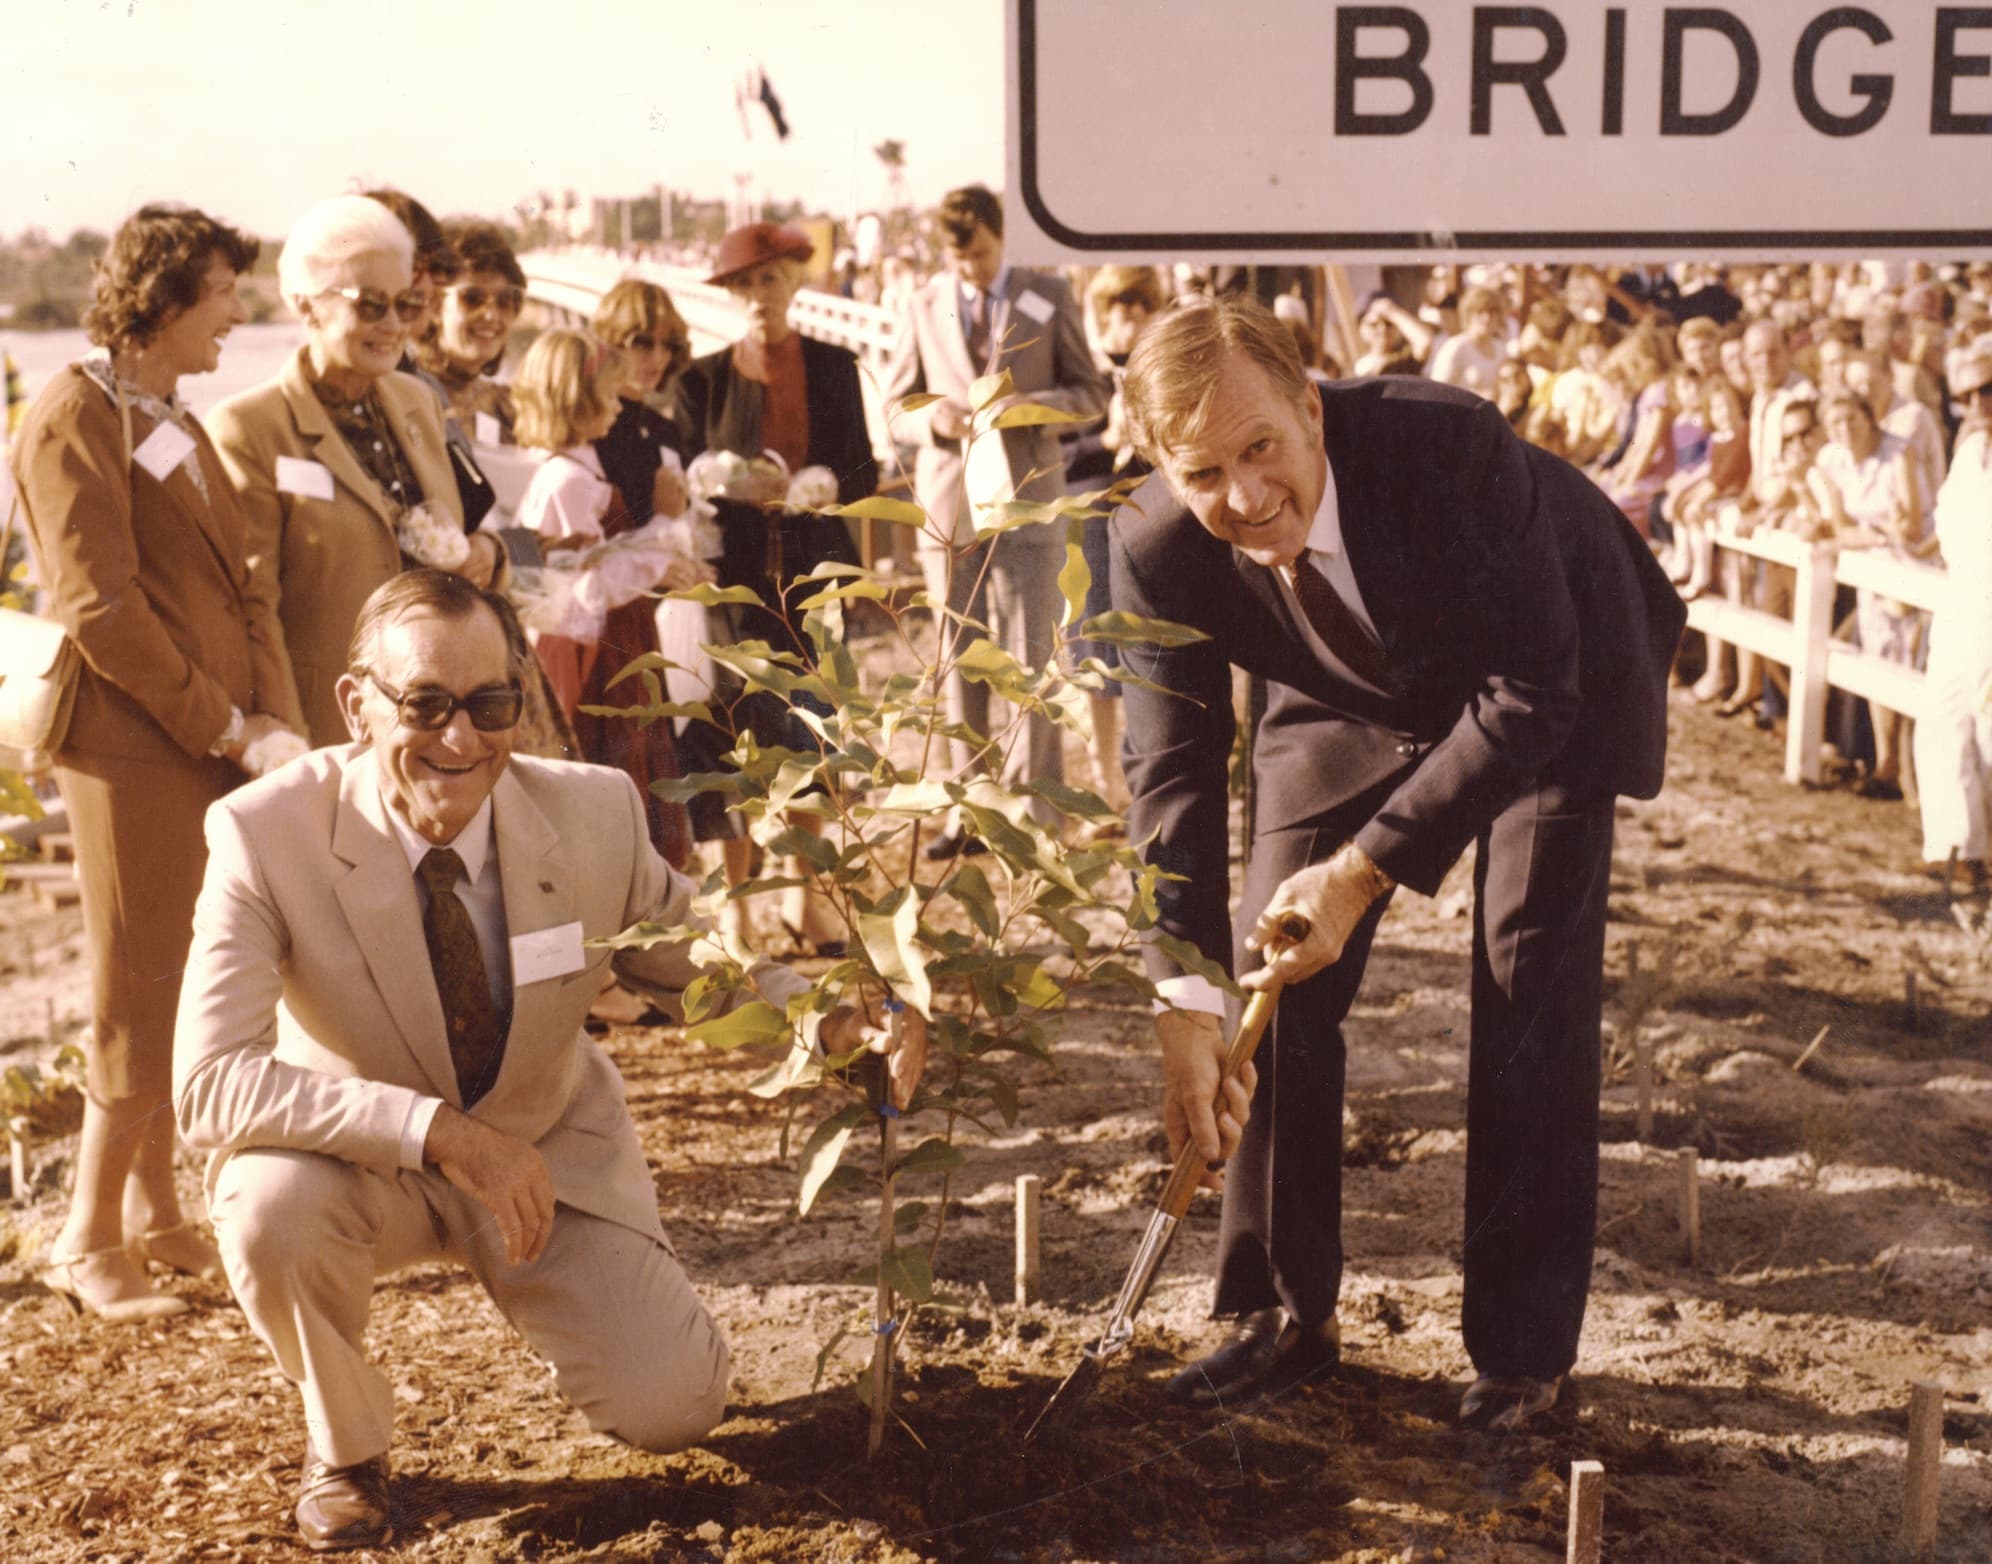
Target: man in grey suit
x=980, y=317
x=379, y=1045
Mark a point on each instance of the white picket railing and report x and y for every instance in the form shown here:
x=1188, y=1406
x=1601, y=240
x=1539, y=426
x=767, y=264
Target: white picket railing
x=1804, y=643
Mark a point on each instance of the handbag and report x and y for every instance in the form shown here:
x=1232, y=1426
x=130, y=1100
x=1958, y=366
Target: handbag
x=39, y=666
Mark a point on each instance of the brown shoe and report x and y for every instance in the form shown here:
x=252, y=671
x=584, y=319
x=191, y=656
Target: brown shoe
x=341, y=1507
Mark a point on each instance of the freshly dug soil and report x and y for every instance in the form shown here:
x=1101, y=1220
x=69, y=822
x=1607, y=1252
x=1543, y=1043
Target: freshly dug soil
x=1751, y=1408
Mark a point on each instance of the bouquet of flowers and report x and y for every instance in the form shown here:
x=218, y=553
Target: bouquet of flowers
x=432, y=538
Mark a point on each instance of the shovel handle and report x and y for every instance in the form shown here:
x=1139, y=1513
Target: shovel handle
x=1189, y=1169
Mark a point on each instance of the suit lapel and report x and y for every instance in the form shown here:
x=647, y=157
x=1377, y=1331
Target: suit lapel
x=378, y=898
x=540, y=893
x=950, y=329
x=328, y=447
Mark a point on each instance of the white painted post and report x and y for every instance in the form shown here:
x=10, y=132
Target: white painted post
x=17, y=1159
x=1028, y=1187
x=1926, y=1452
x=1587, y=1513
x=1812, y=625
x=1691, y=1209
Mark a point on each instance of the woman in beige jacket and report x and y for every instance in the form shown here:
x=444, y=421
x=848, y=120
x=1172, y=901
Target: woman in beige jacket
x=143, y=555
x=334, y=456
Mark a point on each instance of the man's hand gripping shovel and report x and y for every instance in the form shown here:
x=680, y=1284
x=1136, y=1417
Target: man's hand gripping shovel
x=1169, y=1212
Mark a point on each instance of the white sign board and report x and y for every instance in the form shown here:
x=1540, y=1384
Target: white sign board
x=1300, y=130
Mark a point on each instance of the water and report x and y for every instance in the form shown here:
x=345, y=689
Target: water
x=250, y=356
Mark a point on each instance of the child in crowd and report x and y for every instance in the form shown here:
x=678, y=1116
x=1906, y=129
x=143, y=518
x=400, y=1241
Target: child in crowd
x=1723, y=475
x=593, y=614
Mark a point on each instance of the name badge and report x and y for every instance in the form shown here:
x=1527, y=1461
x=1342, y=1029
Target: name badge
x=547, y=953
x=489, y=430
x=1035, y=305
x=307, y=480
x=163, y=450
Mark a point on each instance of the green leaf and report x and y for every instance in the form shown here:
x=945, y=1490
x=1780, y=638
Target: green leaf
x=913, y=401
x=870, y=591
x=1025, y=415
x=916, y=798
x=757, y=1021
x=1074, y=801
x=1190, y=959
x=837, y=1339
x=907, y=1273
x=877, y=507
x=798, y=1067
x=907, y=1217
x=889, y=939
x=1075, y=580
x=712, y=596
x=1133, y=629
x=932, y=1155
x=692, y=711
x=1041, y=991
x=825, y=1146
x=679, y=790
x=970, y=887
x=988, y=388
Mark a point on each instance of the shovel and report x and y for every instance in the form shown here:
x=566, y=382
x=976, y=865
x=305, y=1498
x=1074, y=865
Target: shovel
x=1169, y=1211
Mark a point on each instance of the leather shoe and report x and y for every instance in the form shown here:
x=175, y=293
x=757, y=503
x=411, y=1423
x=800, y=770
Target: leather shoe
x=1501, y=1404
x=341, y=1507
x=1266, y=1354
x=954, y=844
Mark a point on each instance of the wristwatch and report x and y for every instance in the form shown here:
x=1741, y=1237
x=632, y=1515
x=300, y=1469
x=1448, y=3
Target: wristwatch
x=230, y=735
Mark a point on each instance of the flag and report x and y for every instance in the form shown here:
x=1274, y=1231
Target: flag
x=773, y=105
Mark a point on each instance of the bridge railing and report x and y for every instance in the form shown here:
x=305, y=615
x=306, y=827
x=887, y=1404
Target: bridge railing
x=1804, y=643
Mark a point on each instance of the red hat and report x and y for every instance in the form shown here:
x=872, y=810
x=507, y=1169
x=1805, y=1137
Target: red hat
x=750, y=246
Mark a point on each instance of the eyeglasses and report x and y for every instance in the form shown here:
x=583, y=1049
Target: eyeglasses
x=644, y=342
x=492, y=709
x=473, y=296
x=442, y=267
x=372, y=305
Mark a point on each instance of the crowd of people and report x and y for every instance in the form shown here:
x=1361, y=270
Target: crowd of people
x=392, y=587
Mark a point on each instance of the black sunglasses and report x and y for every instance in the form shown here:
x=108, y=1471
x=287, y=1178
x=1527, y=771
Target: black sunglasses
x=492, y=709
x=371, y=305
x=474, y=296
x=644, y=342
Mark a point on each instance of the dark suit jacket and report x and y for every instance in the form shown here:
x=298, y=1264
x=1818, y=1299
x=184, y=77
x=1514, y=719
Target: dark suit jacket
x=1528, y=631
x=719, y=409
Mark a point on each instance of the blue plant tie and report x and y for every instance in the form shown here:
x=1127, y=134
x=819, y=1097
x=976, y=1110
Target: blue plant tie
x=886, y=1329
x=887, y=1111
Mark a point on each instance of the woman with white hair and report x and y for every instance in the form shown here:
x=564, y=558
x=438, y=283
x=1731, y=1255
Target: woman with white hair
x=340, y=459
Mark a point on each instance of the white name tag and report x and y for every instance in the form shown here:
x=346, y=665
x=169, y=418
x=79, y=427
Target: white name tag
x=1035, y=305
x=547, y=953
x=489, y=430
x=163, y=450
x=308, y=480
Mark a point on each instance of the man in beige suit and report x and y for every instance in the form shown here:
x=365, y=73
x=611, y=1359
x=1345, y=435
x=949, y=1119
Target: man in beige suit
x=981, y=316
x=380, y=1044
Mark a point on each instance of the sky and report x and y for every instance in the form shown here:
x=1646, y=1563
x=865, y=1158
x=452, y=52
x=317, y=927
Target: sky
x=254, y=109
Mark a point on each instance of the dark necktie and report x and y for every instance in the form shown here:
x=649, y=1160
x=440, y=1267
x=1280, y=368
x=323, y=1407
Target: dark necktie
x=477, y=1039
x=1340, y=630
x=978, y=330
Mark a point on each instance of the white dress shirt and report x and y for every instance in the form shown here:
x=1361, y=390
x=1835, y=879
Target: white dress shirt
x=482, y=892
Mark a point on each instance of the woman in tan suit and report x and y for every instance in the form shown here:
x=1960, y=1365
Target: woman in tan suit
x=333, y=457
x=143, y=554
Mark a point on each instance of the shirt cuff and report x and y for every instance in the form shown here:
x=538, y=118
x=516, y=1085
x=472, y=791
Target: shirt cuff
x=1191, y=991
x=415, y=1129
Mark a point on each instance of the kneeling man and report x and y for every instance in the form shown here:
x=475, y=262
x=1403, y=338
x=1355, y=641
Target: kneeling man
x=380, y=1043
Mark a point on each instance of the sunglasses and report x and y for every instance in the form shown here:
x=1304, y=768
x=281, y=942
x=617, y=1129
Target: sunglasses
x=442, y=267
x=644, y=342
x=372, y=305
x=474, y=296
x=492, y=709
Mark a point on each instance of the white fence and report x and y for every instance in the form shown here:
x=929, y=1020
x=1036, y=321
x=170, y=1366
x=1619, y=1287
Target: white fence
x=1804, y=643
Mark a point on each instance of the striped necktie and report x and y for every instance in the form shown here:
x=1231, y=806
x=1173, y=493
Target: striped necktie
x=1340, y=630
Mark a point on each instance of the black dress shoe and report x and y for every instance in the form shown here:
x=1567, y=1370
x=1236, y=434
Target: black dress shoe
x=1266, y=1354
x=340, y=1507
x=1501, y=1404
x=954, y=844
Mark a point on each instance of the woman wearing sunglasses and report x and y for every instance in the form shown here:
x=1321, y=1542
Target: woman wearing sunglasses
x=643, y=452
x=144, y=556
x=479, y=310
x=333, y=455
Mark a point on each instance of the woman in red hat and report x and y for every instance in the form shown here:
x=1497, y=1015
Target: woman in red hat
x=773, y=391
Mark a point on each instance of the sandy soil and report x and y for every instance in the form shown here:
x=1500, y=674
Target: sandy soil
x=1749, y=1408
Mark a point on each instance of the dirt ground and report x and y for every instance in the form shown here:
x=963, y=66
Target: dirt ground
x=1748, y=1408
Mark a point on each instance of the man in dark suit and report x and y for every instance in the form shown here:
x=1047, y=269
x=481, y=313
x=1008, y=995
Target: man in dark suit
x=1464, y=643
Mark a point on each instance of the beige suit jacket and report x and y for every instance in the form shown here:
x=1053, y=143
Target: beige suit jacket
x=1048, y=361
x=323, y=557
x=309, y=1018
x=151, y=580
